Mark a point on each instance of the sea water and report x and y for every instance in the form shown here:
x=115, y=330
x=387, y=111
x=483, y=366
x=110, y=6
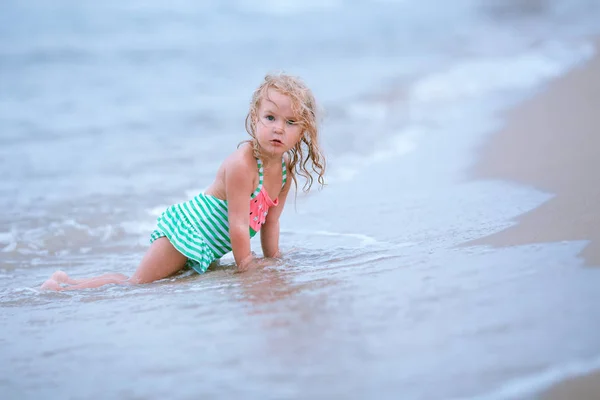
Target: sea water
x=110, y=111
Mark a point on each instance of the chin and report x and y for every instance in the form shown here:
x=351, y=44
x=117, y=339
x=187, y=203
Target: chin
x=277, y=151
x=274, y=149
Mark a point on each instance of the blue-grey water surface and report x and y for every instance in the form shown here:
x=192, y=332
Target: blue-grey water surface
x=110, y=111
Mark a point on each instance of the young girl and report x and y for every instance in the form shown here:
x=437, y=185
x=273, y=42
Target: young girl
x=247, y=195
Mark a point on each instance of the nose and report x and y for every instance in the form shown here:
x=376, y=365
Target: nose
x=279, y=127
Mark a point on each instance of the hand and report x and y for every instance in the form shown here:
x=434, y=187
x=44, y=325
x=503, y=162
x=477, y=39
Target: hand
x=252, y=263
x=276, y=255
x=246, y=263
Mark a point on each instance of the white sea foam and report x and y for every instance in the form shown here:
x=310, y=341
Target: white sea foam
x=9, y=238
x=137, y=227
x=285, y=7
x=72, y=223
x=463, y=82
x=364, y=240
x=369, y=110
x=534, y=384
x=6, y=237
x=347, y=167
x=194, y=192
x=156, y=211
x=10, y=247
x=479, y=77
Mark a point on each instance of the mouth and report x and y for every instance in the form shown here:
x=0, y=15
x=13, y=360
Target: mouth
x=277, y=142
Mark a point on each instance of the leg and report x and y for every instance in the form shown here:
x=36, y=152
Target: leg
x=86, y=283
x=160, y=261
x=62, y=277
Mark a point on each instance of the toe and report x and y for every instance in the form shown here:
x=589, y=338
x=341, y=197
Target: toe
x=60, y=277
x=51, y=284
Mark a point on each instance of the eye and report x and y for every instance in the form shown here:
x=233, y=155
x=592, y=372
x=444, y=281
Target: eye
x=290, y=122
x=270, y=118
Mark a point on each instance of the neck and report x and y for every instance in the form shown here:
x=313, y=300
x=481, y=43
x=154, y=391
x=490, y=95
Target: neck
x=269, y=160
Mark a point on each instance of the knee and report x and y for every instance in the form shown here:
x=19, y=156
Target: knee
x=134, y=280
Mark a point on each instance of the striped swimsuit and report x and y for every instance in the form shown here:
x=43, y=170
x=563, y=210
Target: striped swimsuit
x=199, y=228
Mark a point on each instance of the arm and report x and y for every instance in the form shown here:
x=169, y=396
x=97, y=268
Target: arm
x=269, y=233
x=238, y=186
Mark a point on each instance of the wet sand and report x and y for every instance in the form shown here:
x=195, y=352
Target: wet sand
x=580, y=388
x=552, y=142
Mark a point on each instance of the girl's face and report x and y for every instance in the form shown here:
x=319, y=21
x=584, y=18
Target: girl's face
x=277, y=128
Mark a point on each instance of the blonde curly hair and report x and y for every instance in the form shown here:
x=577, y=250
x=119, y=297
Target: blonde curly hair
x=304, y=108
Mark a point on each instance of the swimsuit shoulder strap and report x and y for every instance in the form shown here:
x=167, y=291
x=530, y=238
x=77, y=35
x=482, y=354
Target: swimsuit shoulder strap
x=261, y=173
x=283, y=172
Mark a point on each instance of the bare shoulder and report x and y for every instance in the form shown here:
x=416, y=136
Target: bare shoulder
x=239, y=168
x=240, y=161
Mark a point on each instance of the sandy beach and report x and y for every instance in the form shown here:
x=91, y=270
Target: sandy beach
x=551, y=142
x=580, y=388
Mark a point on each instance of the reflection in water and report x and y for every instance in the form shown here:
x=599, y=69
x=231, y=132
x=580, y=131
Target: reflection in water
x=294, y=315
x=267, y=285
x=284, y=281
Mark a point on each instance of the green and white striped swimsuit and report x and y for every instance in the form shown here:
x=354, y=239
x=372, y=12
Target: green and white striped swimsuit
x=199, y=228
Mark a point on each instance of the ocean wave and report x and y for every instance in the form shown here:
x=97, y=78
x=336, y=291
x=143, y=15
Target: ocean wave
x=534, y=384
x=348, y=166
x=478, y=77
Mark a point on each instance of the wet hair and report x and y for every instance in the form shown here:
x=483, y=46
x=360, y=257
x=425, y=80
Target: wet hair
x=305, y=111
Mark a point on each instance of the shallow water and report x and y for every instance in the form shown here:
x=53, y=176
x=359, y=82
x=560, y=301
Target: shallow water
x=110, y=112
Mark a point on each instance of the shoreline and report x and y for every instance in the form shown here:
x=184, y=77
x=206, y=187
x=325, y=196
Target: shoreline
x=584, y=387
x=550, y=142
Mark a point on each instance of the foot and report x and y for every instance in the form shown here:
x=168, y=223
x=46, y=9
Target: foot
x=51, y=284
x=60, y=277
